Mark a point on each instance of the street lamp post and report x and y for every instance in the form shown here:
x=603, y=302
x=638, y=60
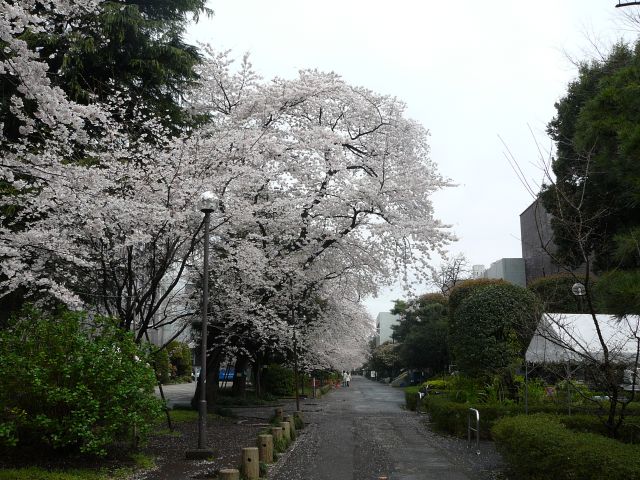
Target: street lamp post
x=207, y=206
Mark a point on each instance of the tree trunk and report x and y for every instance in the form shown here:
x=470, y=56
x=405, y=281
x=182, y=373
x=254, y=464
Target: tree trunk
x=257, y=377
x=239, y=379
x=213, y=371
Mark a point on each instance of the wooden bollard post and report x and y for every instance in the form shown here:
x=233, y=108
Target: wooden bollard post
x=265, y=448
x=292, y=424
x=278, y=414
x=251, y=463
x=229, y=474
x=276, y=432
x=286, y=430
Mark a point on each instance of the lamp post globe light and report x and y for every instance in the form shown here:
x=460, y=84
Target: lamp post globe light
x=207, y=206
x=579, y=291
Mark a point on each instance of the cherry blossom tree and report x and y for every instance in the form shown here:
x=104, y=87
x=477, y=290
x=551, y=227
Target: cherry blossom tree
x=323, y=187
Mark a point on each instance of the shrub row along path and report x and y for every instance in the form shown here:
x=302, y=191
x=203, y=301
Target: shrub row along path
x=362, y=432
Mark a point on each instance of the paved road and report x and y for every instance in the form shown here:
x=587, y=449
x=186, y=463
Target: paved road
x=179, y=394
x=361, y=433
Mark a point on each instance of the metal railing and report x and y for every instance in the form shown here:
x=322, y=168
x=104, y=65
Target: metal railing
x=473, y=411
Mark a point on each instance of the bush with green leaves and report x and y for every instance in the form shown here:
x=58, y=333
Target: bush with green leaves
x=162, y=365
x=555, y=293
x=278, y=380
x=539, y=446
x=491, y=328
x=173, y=363
x=463, y=289
x=73, y=382
x=618, y=292
x=180, y=360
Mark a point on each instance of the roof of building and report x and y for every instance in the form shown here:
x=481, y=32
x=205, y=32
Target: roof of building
x=563, y=337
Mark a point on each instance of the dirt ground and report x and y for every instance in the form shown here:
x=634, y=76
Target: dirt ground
x=226, y=437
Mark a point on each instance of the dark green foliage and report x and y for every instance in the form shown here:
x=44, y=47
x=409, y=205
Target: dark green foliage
x=629, y=432
x=425, y=309
x=422, y=332
x=278, y=380
x=173, y=363
x=538, y=446
x=180, y=360
x=618, y=292
x=426, y=347
x=451, y=417
x=597, y=135
x=72, y=382
x=162, y=366
x=491, y=327
x=131, y=46
x=555, y=293
x=385, y=360
x=463, y=289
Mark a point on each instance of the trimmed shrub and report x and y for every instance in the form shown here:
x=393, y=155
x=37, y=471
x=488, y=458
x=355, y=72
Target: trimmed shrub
x=72, y=382
x=555, y=293
x=463, y=289
x=538, y=446
x=491, y=327
x=437, y=384
x=629, y=431
x=451, y=417
x=411, y=397
x=278, y=380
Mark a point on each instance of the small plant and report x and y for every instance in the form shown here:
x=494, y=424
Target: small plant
x=264, y=470
x=280, y=445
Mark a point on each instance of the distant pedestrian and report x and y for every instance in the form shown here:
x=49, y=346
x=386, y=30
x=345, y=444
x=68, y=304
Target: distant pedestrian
x=344, y=378
x=348, y=378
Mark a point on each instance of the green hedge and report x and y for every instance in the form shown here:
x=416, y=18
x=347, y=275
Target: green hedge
x=278, y=380
x=539, y=446
x=411, y=397
x=451, y=417
x=629, y=431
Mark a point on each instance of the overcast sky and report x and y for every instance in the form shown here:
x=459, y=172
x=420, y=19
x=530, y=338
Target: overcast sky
x=470, y=71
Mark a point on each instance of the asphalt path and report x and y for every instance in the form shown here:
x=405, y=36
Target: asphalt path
x=362, y=432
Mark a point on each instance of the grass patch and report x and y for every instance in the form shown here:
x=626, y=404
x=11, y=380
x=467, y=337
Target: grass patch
x=142, y=461
x=165, y=432
x=34, y=473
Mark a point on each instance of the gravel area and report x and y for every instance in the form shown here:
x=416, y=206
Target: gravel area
x=225, y=436
x=488, y=465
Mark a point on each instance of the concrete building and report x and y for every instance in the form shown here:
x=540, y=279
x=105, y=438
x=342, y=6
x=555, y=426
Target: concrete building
x=510, y=269
x=477, y=271
x=384, y=320
x=536, y=237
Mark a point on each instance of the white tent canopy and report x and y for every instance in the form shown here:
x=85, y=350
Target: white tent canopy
x=564, y=337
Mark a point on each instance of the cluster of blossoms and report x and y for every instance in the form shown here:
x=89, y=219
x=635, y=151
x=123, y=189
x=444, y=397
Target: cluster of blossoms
x=323, y=193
